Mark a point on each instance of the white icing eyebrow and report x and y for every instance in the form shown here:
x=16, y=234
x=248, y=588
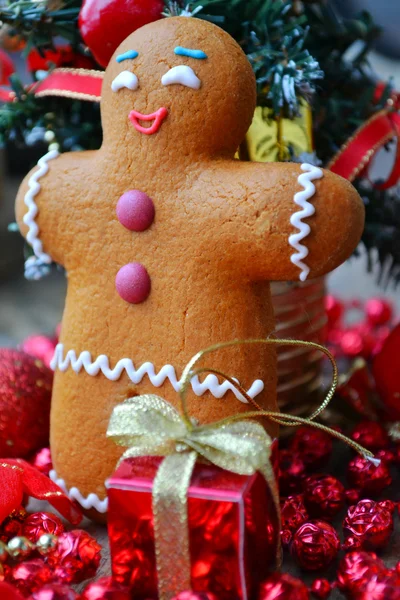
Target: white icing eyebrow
x=125, y=79
x=183, y=75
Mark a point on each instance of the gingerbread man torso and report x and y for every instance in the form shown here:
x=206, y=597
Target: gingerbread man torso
x=191, y=266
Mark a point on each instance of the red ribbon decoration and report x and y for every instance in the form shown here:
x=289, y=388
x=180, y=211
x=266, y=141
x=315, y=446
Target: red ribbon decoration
x=17, y=477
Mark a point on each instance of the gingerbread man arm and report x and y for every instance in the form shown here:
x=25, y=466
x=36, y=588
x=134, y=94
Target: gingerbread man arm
x=46, y=203
x=280, y=227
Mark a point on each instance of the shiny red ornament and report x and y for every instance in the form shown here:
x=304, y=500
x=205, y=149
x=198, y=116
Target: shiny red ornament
x=104, y=24
x=282, y=586
x=41, y=347
x=382, y=586
x=371, y=435
x=314, y=446
x=13, y=524
x=368, y=524
x=105, y=589
x=292, y=471
x=356, y=568
x=370, y=479
x=324, y=496
x=315, y=545
x=76, y=556
x=385, y=369
x=378, y=311
x=40, y=523
x=293, y=514
x=189, y=595
x=31, y=575
x=25, y=395
x=42, y=461
x=334, y=310
x=321, y=589
x=352, y=496
x=54, y=591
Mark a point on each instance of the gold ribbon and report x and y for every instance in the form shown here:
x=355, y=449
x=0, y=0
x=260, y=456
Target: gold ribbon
x=149, y=426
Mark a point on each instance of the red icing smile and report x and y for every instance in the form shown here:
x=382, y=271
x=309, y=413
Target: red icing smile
x=158, y=117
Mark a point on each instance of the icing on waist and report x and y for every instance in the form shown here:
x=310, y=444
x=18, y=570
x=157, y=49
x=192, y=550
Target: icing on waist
x=87, y=502
x=301, y=199
x=29, y=218
x=102, y=365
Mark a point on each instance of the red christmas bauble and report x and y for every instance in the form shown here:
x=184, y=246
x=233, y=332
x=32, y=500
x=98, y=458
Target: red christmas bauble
x=369, y=524
x=40, y=346
x=315, y=545
x=382, y=586
x=54, y=591
x=105, y=589
x=378, y=311
x=31, y=575
x=324, y=496
x=42, y=461
x=40, y=523
x=282, y=586
x=292, y=471
x=321, y=588
x=370, y=479
x=189, y=595
x=76, y=556
x=25, y=395
x=312, y=445
x=293, y=514
x=104, y=24
x=385, y=369
x=356, y=568
x=12, y=526
x=334, y=309
x=371, y=435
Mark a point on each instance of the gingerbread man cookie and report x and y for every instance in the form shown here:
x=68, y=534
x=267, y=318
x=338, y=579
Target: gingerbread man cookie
x=169, y=242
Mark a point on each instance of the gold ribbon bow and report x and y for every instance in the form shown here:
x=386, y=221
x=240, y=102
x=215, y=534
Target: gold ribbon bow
x=149, y=426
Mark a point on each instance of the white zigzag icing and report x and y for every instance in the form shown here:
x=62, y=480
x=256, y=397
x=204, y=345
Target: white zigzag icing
x=88, y=502
x=29, y=218
x=301, y=199
x=102, y=364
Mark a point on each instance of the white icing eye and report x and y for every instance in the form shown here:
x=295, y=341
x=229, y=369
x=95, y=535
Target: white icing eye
x=182, y=74
x=125, y=79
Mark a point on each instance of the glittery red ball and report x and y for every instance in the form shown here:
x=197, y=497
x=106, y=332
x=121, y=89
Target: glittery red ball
x=291, y=472
x=382, y=586
x=324, y=496
x=12, y=526
x=334, y=309
x=282, y=586
x=370, y=479
x=293, y=513
x=76, y=556
x=313, y=446
x=369, y=523
x=31, y=575
x=371, y=435
x=378, y=311
x=25, y=394
x=315, y=545
x=356, y=568
x=321, y=588
x=385, y=369
x=40, y=523
x=54, y=591
x=105, y=589
x=41, y=347
x=189, y=595
x=42, y=461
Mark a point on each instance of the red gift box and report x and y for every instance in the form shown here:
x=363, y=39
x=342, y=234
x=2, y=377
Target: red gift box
x=233, y=530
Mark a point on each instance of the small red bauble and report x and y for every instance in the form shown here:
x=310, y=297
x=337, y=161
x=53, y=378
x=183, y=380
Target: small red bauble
x=126, y=16
x=382, y=586
x=76, y=556
x=293, y=514
x=41, y=347
x=356, y=568
x=282, y=586
x=42, y=461
x=54, y=591
x=25, y=395
x=334, y=309
x=31, y=575
x=324, y=496
x=371, y=435
x=370, y=479
x=313, y=446
x=315, y=545
x=291, y=472
x=105, y=589
x=378, y=311
x=12, y=526
x=40, y=523
x=321, y=588
x=189, y=595
x=385, y=369
x=369, y=524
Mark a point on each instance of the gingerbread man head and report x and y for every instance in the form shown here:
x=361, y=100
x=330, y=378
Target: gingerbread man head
x=178, y=87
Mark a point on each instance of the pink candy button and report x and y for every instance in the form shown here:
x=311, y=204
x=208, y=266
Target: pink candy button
x=133, y=283
x=135, y=210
